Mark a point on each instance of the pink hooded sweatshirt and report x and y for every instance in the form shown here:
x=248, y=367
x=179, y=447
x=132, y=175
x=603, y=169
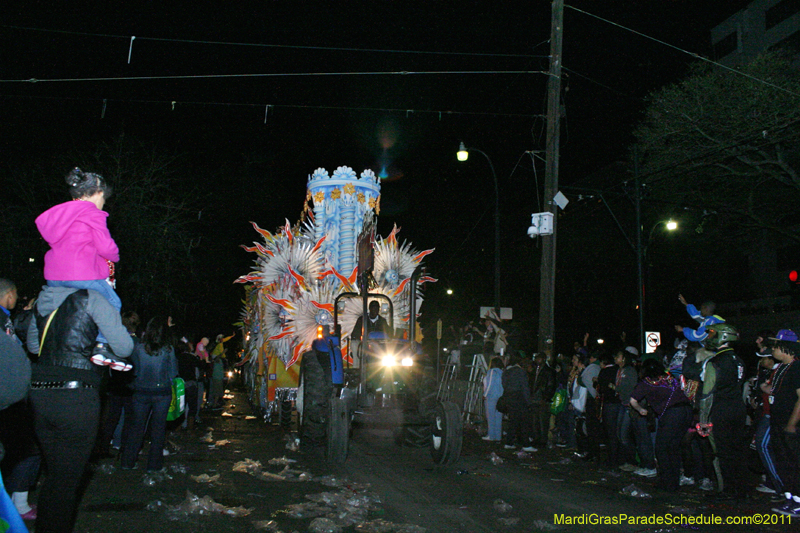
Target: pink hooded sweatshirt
x=80, y=243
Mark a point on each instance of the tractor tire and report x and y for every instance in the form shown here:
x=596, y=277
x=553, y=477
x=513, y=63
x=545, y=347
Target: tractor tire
x=316, y=392
x=285, y=414
x=338, y=434
x=446, y=434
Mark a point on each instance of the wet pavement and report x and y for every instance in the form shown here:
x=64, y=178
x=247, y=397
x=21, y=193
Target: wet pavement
x=236, y=473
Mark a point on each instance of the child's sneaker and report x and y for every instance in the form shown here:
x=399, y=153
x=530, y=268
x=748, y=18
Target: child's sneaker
x=103, y=356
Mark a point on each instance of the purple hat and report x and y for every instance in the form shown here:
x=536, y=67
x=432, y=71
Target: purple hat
x=785, y=335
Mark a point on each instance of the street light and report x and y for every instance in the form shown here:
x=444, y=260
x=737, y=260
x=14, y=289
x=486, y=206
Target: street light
x=671, y=225
x=463, y=155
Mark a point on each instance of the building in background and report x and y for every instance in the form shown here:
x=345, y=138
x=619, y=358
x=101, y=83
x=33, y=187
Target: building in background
x=762, y=25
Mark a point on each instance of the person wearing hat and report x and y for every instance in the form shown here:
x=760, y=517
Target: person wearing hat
x=722, y=411
x=759, y=403
x=784, y=400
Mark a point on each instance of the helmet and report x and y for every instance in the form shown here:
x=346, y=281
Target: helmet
x=719, y=334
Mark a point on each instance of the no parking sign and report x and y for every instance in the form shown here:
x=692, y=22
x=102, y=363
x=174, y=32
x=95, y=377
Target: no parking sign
x=651, y=341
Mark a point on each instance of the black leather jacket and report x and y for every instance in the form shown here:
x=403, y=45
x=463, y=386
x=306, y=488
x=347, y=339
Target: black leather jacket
x=71, y=335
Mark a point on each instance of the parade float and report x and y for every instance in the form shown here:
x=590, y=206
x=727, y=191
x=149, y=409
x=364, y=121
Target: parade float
x=319, y=274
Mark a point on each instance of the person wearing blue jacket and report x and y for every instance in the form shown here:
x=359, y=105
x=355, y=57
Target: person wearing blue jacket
x=705, y=317
x=155, y=366
x=492, y=390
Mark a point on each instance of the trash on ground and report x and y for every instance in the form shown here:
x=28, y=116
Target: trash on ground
x=107, y=468
x=250, y=417
x=152, y=478
x=226, y=414
x=205, y=478
x=229, y=396
x=384, y=526
x=248, y=466
x=509, y=521
x=324, y=525
x=223, y=442
x=176, y=447
x=208, y=437
x=495, y=459
x=523, y=455
x=636, y=492
x=281, y=461
x=194, y=505
x=331, y=481
x=502, y=507
x=254, y=468
x=293, y=445
x=156, y=505
x=345, y=508
x=266, y=525
x=178, y=468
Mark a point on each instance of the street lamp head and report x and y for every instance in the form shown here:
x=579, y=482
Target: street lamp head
x=449, y=291
x=462, y=154
x=672, y=225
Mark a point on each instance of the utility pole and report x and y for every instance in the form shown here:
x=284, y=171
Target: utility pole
x=547, y=287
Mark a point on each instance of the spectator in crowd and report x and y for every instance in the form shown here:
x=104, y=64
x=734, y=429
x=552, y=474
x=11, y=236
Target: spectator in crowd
x=760, y=406
x=118, y=397
x=785, y=417
x=188, y=365
x=217, y=379
x=155, y=367
x=543, y=387
x=674, y=412
x=492, y=390
x=624, y=383
x=15, y=378
x=609, y=408
x=64, y=392
x=698, y=455
x=518, y=397
x=705, y=317
x=82, y=252
x=592, y=412
x=722, y=410
x=8, y=301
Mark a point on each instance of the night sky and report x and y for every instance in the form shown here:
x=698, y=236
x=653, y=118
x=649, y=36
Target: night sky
x=407, y=126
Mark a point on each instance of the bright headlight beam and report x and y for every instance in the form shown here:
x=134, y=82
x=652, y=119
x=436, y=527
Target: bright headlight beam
x=407, y=361
x=389, y=360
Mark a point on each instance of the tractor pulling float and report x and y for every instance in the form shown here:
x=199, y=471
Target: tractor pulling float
x=311, y=283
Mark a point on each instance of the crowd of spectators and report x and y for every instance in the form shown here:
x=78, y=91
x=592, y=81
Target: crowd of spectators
x=689, y=416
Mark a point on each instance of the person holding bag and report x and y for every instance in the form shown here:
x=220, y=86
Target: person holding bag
x=155, y=366
x=492, y=392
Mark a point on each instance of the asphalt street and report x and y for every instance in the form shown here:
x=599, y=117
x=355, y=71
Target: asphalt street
x=219, y=478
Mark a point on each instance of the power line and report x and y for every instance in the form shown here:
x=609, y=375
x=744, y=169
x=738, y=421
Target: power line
x=267, y=45
x=693, y=54
x=173, y=103
x=279, y=75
